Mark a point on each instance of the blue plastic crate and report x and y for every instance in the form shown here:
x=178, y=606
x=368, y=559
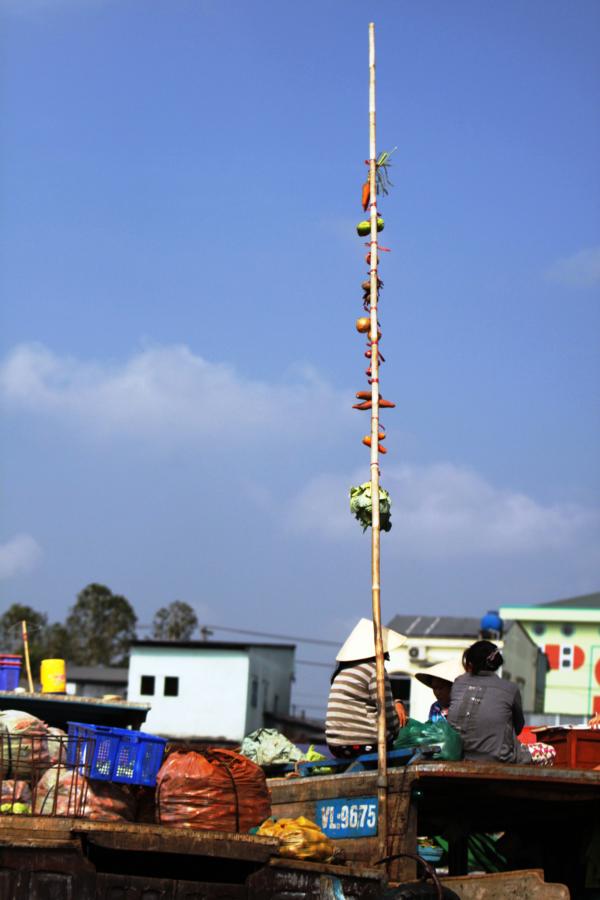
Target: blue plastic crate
x=115, y=754
x=9, y=677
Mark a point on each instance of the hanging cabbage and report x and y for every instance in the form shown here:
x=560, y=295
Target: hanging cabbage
x=361, y=506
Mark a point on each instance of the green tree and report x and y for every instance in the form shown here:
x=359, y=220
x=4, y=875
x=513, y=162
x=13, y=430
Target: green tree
x=175, y=622
x=100, y=626
x=56, y=642
x=10, y=633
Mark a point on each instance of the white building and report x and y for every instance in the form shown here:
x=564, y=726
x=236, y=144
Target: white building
x=210, y=689
x=435, y=639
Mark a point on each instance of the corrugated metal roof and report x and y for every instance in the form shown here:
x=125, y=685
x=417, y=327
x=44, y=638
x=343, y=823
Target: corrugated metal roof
x=436, y=626
x=586, y=601
x=212, y=645
x=97, y=674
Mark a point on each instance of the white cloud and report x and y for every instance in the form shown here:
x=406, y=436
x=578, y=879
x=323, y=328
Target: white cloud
x=442, y=511
x=169, y=394
x=18, y=556
x=581, y=270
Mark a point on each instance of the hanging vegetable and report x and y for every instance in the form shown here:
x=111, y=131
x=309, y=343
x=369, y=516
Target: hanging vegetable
x=381, y=172
x=383, y=404
x=361, y=506
x=363, y=228
x=367, y=442
x=366, y=195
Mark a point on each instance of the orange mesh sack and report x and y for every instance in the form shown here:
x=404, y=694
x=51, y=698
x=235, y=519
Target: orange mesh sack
x=65, y=792
x=216, y=790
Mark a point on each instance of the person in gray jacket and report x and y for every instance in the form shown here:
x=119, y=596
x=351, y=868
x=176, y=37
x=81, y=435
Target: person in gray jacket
x=487, y=711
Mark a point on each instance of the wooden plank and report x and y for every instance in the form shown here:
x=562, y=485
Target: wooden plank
x=507, y=886
x=47, y=842
x=303, y=865
x=37, y=824
x=501, y=772
x=160, y=839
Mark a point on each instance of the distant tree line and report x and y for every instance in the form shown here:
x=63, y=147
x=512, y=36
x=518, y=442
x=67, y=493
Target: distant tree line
x=98, y=629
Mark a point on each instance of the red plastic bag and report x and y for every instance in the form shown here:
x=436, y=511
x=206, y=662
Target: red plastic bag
x=217, y=790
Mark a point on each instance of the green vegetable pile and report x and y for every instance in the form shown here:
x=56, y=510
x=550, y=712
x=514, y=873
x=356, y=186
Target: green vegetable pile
x=361, y=506
x=16, y=809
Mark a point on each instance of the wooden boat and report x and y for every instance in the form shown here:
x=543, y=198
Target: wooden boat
x=548, y=815
x=75, y=859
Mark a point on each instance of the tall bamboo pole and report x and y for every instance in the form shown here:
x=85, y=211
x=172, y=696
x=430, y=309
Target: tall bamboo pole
x=375, y=530
x=26, y=652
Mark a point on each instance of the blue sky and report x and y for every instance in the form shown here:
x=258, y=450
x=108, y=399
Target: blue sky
x=180, y=276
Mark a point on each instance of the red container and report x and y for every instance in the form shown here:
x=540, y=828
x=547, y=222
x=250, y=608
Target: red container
x=576, y=748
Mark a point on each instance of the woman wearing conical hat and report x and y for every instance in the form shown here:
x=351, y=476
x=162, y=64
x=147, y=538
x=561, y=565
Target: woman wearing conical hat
x=351, y=724
x=440, y=679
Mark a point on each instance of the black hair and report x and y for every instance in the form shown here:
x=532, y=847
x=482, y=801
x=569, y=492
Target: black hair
x=482, y=656
x=353, y=662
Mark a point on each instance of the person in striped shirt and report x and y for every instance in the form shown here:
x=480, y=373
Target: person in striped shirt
x=351, y=723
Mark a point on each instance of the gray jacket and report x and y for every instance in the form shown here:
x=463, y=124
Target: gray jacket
x=487, y=712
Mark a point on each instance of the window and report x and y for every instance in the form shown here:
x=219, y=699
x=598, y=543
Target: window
x=566, y=657
x=171, y=686
x=539, y=628
x=567, y=629
x=147, y=686
x=254, y=693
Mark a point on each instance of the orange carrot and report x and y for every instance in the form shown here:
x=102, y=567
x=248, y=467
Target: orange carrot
x=366, y=195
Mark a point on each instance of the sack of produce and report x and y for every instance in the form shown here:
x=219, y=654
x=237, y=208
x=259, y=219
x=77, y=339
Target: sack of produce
x=15, y=798
x=418, y=734
x=57, y=746
x=66, y=792
x=23, y=745
x=268, y=747
x=299, y=838
x=216, y=790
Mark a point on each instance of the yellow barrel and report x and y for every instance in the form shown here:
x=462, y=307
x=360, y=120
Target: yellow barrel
x=53, y=676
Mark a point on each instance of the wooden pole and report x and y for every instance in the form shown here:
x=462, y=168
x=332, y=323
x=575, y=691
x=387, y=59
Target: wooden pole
x=26, y=653
x=375, y=530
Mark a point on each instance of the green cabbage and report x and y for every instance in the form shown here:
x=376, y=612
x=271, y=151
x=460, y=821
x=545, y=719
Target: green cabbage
x=361, y=506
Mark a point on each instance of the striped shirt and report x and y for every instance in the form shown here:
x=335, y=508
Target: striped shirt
x=352, y=707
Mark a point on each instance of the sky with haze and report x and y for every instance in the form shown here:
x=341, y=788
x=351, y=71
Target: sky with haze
x=180, y=276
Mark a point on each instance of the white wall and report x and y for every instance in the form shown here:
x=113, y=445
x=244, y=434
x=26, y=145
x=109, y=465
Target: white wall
x=520, y=663
x=213, y=691
x=436, y=650
x=273, y=670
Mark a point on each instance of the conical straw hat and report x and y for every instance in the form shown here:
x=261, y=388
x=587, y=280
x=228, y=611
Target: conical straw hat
x=448, y=670
x=361, y=643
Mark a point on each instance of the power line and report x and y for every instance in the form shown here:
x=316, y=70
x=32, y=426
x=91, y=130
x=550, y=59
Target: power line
x=311, y=662
x=281, y=637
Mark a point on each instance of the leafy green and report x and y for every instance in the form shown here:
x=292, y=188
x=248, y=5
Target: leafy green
x=361, y=506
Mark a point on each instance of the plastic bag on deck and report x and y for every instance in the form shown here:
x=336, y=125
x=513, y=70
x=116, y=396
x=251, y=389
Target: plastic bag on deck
x=216, y=790
x=268, y=747
x=418, y=734
x=299, y=838
x=23, y=744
